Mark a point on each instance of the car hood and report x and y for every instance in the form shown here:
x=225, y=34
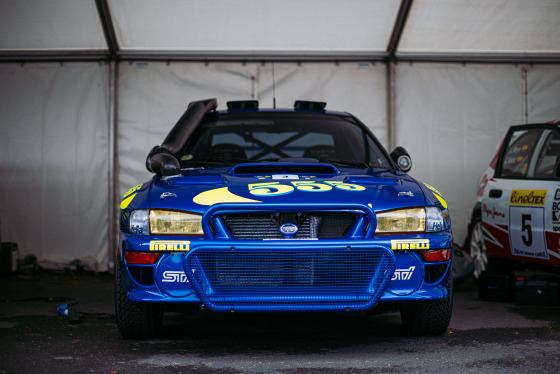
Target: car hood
x=198, y=189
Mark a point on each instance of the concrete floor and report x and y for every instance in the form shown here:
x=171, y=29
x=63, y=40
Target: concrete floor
x=483, y=337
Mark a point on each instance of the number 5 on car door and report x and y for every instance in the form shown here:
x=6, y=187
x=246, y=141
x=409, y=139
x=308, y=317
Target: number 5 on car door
x=527, y=231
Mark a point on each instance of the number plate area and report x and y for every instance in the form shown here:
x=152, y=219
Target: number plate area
x=284, y=278
x=527, y=236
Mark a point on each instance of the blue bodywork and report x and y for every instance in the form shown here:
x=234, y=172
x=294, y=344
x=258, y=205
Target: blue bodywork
x=223, y=272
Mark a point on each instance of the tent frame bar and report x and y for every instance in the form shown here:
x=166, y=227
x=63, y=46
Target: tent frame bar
x=107, y=25
x=198, y=56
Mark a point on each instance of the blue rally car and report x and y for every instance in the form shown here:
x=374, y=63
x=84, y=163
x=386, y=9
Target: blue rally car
x=290, y=210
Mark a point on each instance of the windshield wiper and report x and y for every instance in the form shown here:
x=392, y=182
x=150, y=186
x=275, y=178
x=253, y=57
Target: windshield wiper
x=232, y=161
x=346, y=163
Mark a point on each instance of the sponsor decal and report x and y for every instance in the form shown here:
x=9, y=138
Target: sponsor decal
x=132, y=190
x=169, y=245
x=406, y=193
x=220, y=195
x=437, y=194
x=482, y=185
x=269, y=189
x=556, y=211
x=174, y=276
x=285, y=176
x=410, y=244
x=266, y=177
x=492, y=212
x=403, y=274
x=528, y=197
x=556, y=215
x=129, y=196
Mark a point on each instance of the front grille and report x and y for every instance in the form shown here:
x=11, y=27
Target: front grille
x=282, y=279
x=330, y=225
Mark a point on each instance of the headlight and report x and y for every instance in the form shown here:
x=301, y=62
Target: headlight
x=401, y=221
x=410, y=220
x=139, y=223
x=175, y=222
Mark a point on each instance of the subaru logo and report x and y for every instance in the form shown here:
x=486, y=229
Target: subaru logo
x=289, y=230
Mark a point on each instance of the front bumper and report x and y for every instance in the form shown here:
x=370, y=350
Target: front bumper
x=285, y=275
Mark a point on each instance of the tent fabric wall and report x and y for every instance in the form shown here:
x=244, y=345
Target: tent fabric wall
x=543, y=87
x=57, y=143
x=56, y=152
x=451, y=118
x=54, y=162
x=152, y=97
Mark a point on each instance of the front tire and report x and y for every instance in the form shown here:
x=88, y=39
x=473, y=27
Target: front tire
x=430, y=317
x=135, y=320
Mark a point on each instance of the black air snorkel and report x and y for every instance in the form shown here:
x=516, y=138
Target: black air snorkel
x=162, y=159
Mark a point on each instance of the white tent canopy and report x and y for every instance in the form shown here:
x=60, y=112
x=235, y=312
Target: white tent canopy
x=269, y=28
x=89, y=86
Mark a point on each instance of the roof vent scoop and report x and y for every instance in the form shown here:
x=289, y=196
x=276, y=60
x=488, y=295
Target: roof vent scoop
x=243, y=104
x=310, y=105
x=162, y=160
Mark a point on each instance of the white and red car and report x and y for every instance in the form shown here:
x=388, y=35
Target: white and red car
x=517, y=216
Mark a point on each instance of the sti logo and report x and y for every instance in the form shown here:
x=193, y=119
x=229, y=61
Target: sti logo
x=175, y=276
x=403, y=274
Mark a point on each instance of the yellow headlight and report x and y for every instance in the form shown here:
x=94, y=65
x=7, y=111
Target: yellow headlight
x=175, y=222
x=401, y=221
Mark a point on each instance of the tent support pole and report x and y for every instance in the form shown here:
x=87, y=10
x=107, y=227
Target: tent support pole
x=113, y=232
x=525, y=94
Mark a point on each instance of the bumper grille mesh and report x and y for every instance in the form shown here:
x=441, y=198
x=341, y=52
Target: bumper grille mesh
x=290, y=280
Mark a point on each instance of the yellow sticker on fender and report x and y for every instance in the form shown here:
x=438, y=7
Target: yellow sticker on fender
x=129, y=196
x=133, y=189
x=528, y=197
x=169, y=245
x=438, y=195
x=410, y=244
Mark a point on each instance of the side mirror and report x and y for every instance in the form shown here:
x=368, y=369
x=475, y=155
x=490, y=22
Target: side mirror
x=162, y=162
x=402, y=159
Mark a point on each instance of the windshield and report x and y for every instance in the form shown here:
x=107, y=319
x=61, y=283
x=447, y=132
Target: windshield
x=255, y=137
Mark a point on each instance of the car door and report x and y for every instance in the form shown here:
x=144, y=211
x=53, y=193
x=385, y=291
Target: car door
x=521, y=205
